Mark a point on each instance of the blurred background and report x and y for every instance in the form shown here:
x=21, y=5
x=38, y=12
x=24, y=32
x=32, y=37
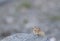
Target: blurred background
x=19, y=16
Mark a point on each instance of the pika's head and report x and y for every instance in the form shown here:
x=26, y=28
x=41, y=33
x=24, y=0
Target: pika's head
x=36, y=29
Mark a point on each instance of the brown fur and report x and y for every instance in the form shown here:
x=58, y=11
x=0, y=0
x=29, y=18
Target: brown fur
x=38, y=31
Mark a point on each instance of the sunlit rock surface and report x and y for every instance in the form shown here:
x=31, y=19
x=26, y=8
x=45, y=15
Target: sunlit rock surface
x=25, y=37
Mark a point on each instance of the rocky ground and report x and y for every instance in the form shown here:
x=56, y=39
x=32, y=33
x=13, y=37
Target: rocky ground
x=25, y=37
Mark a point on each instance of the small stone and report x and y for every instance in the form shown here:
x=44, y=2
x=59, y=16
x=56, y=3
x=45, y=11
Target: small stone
x=53, y=39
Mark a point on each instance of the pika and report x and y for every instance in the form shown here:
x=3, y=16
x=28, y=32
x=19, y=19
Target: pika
x=37, y=31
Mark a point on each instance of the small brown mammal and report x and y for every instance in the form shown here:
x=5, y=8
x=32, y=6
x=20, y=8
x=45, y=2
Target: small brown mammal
x=37, y=31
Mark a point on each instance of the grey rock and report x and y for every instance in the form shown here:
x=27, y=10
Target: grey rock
x=24, y=37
